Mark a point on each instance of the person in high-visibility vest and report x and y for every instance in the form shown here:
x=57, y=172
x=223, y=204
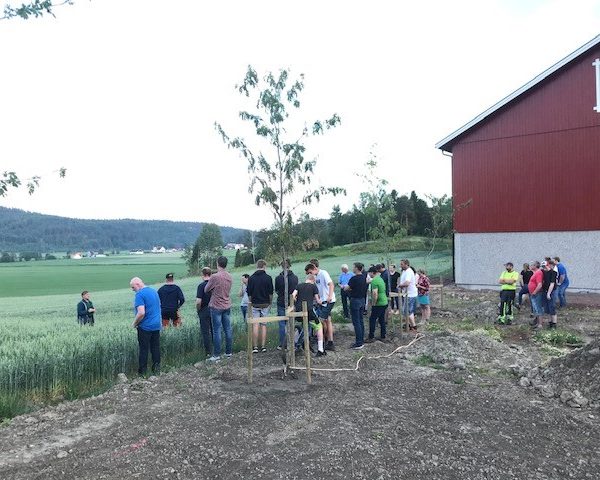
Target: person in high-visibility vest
x=508, y=281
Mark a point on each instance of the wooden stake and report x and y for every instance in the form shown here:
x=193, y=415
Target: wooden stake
x=441, y=292
x=306, y=340
x=249, y=328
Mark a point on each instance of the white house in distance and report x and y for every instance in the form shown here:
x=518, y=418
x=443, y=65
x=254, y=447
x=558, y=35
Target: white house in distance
x=235, y=246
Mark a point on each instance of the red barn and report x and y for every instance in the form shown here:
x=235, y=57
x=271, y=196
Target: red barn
x=526, y=176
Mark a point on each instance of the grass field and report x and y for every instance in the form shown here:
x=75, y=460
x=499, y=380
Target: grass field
x=45, y=356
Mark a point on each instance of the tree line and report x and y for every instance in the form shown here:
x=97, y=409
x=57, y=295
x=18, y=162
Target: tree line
x=35, y=232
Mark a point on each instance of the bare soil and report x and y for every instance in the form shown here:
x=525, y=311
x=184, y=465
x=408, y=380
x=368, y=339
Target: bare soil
x=448, y=407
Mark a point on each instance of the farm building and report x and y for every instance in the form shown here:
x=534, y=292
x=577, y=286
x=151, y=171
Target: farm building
x=526, y=177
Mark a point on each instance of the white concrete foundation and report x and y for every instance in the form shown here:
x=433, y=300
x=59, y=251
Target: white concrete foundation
x=479, y=258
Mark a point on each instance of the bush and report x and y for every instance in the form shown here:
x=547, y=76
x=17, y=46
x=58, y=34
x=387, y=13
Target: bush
x=49, y=256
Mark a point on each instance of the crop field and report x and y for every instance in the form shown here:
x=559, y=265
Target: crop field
x=46, y=356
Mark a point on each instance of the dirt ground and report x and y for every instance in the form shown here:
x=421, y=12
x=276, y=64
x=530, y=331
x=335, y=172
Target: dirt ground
x=448, y=407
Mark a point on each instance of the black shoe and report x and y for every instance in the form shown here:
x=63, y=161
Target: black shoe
x=369, y=340
x=533, y=323
x=329, y=346
x=321, y=354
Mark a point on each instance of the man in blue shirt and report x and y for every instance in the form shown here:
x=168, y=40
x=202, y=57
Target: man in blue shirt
x=562, y=282
x=148, y=323
x=343, y=279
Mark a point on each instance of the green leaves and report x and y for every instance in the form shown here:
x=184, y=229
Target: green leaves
x=35, y=9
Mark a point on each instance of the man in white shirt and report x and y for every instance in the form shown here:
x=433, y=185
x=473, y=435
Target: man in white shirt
x=327, y=298
x=408, y=285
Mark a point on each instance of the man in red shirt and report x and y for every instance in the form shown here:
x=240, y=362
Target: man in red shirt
x=535, y=294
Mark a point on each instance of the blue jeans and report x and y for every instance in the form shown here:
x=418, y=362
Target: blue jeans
x=562, y=289
x=281, y=313
x=357, y=307
x=523, y=291
x=244, y=309
x=221, y=318
x=536, y=303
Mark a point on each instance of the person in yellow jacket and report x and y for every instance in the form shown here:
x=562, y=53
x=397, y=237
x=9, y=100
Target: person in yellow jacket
x=509, y=279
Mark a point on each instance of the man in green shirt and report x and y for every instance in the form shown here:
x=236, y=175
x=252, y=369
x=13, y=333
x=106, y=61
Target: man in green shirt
x=508, y=287
x=379, y=302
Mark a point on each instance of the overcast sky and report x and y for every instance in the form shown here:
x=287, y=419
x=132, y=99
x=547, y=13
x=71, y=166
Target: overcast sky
x=124, y=94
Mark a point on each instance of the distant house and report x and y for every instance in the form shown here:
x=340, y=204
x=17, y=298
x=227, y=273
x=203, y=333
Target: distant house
x=159, y=249
x=136, y=252
x=234, y=246
x=76, y=256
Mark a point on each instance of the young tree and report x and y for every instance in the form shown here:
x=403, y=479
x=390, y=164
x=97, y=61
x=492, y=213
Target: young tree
x=280, y=175
x=207, y=248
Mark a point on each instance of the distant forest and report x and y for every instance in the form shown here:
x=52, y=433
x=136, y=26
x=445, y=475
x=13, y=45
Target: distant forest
x=36, y=232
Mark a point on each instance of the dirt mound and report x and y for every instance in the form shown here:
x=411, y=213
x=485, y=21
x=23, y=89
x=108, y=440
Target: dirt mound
x=475, y=349
x=576, y=375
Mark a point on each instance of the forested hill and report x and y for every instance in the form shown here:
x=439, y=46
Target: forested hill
x=21, y=230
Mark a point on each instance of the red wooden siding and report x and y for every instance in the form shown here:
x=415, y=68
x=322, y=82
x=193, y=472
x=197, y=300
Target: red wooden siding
x=535, y=164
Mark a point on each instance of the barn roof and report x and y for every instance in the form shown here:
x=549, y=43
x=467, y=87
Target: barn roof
x=449, y=141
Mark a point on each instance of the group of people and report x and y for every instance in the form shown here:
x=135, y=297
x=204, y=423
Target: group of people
x=545, y=283
x=362, y=290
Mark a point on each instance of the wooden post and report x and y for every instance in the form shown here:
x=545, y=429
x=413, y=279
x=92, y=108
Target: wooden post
x=441, y=292
x=306, y=340
x=291, y=354
x=249, y=329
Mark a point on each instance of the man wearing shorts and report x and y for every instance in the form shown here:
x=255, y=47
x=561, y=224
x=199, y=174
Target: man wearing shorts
x=171, y=300
x=535, y=294
x=408, y=285
x=260, y=295
x=327, y=298
x=309, y=293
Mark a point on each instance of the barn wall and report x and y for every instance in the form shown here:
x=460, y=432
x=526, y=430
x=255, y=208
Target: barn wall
x=535, y=164
x=480, y=257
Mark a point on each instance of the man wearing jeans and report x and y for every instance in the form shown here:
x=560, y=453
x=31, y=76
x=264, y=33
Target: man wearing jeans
x=408, y=284
x=281, y=297
x=357, y=291
x=148, y=323
x=562, y=282
x=219, y=286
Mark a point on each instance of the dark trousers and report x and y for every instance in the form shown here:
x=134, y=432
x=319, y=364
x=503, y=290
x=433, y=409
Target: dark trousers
x=507, y=297
x=345, y=298
x=149, y=341
x=357, y=306
x=206, y=330
x=377, y=314
x=395, y=305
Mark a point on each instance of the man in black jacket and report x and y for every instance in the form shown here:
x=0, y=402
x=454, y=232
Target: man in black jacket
x=281, y=297
x=357, y=291
x=171, y=299
x=260, y=295
x=85, y=310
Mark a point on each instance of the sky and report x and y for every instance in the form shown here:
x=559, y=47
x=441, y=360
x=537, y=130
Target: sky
x=125, y=94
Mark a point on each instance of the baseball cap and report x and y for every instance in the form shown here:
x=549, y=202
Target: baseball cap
x=169, y=276
x=508, y=263
x=543, y=264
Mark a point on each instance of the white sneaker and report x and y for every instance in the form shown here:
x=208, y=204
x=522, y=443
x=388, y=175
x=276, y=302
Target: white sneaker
x=214, y=359
x=229, y=355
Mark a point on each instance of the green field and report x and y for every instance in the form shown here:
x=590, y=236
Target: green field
x=50, y=277
x=45, y=356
